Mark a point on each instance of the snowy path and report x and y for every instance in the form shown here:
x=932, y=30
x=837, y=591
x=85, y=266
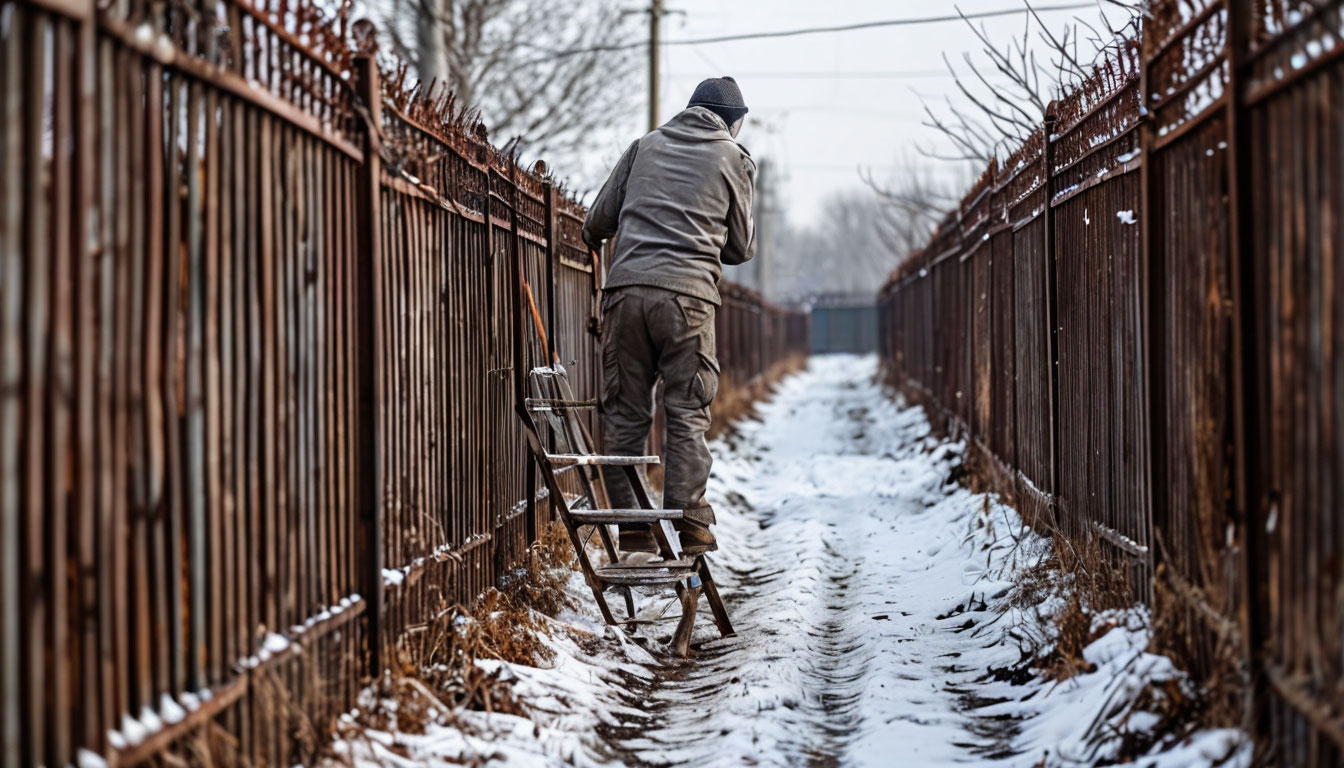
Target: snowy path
x=867, y=589
x=870, y=595
x=854, y=644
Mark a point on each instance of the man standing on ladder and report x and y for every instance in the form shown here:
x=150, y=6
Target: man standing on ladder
x=679, y=204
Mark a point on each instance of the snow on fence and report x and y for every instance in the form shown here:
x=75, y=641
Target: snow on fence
x=1134, y=319
x=264, y=308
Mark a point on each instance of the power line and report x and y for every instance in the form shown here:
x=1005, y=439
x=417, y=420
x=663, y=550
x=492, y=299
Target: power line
x=876, y=24
x=913, y=74
x=903, y=22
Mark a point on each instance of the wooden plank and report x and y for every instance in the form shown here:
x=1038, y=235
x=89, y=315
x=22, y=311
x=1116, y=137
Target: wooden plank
x=567, y=459
x=611, y=516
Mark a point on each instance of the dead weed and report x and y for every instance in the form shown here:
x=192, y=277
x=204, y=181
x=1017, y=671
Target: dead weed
x=433, y=674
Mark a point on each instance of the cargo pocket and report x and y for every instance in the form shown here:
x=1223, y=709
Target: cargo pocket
x=697, y=312
x=705, y=385
x=611, y=369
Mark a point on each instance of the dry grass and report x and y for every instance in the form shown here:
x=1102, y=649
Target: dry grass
x=434, y=674
x=1078, y=583
x=1216, y=658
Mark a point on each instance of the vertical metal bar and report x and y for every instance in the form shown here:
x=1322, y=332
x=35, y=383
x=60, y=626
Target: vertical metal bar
x=87, y=253
x=369, y=310
x=1153, y=259
x=12, y=211
x=194, y=645
x=34, y=613
x=515, y=306
x=552, y=235
x=1051, y=299
x=1249, y=459
x=60, y=392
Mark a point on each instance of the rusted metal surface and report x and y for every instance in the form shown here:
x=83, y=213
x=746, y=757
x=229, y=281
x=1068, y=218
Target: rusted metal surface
x=1175, y=362
x=1294, y=88
x=257, y=368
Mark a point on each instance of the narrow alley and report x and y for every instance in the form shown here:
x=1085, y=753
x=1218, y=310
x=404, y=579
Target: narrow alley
x=876, y=615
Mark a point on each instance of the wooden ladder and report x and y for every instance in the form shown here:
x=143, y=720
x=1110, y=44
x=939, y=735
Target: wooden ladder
x=560, y=443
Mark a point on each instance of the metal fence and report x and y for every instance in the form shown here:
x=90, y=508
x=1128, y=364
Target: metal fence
x=263, y=313
x=844, y=326
x=1133, y=318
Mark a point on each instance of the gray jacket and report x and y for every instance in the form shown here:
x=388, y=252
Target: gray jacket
x=679, y=204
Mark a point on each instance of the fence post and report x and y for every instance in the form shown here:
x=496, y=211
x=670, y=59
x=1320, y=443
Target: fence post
x=1154, y=311
x=1247, y=405
x=368, y=313
x=519, y=363
x=551, y=234
x=1051, y=304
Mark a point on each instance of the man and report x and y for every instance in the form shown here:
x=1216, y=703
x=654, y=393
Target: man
x=679, y=204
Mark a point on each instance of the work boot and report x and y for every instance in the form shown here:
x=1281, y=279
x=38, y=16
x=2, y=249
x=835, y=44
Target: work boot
x=637, y=538
x=696, y=538
x=701, y=513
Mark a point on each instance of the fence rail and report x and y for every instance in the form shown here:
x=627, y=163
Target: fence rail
x=1133, y=320
x=264, y=311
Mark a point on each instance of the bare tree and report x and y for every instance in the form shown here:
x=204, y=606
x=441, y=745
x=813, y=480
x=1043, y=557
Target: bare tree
x=913, y=202
x=504, y=57
x=1008, y=87
x=859, y=237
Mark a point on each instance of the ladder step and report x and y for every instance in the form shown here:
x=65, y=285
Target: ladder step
x=610, y=516
x=541, y=404
x=569, y=459
x=651, y=574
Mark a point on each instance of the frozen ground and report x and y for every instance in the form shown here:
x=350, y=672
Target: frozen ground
x=869, y=592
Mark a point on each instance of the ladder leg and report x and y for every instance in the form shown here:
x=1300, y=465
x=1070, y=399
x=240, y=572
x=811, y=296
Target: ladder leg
x=712, y=595
x=690, y=600
x=614, y=558
x=630, y=602
x=587, y=567
x=608, y=545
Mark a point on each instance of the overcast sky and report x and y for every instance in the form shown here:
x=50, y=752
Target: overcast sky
x=821, y=105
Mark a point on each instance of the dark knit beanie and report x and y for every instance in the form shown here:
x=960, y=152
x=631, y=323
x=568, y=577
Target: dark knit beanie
x=721, y=96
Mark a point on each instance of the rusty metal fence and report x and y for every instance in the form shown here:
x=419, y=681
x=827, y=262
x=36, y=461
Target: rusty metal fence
x=264, y=307
x=1133, y=319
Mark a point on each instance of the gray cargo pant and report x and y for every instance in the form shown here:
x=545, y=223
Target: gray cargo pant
x=650, y=332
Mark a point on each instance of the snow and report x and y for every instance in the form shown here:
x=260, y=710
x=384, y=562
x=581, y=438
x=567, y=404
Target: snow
x=1126, y=217
x=191, y=701
x=870, y=595
x=170, y=711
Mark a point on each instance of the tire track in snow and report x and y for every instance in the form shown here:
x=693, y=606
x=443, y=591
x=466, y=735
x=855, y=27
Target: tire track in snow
x=790, y=572
x=868, y=590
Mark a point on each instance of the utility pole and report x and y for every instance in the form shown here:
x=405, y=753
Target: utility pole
x=655, y=24
x=656, y=13
x=765, y=208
